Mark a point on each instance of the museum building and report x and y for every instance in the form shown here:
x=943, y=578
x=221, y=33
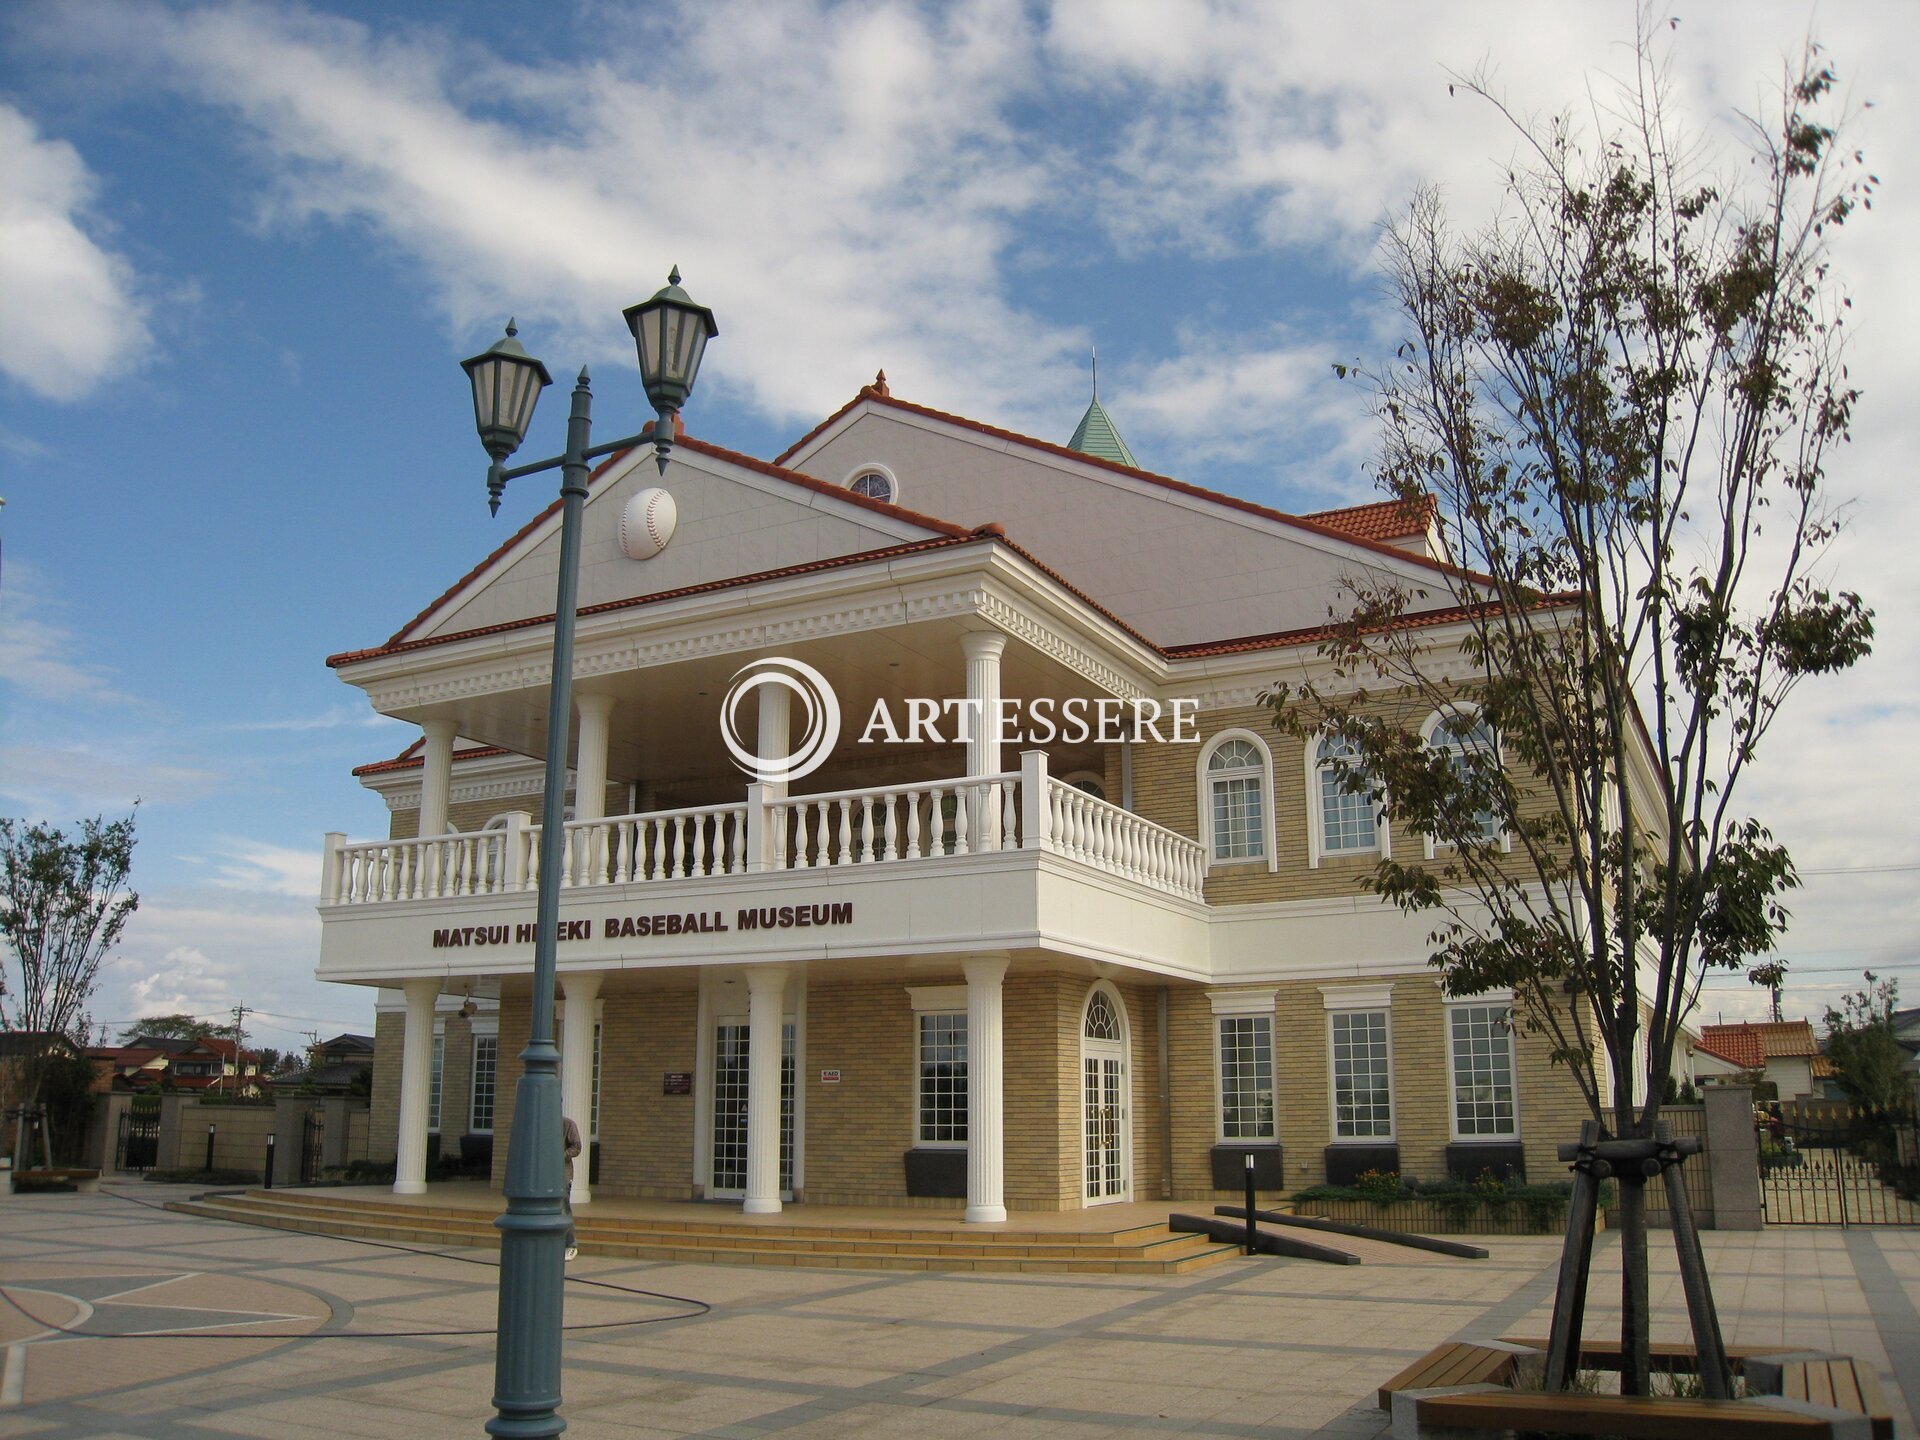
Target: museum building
x=1105, y=950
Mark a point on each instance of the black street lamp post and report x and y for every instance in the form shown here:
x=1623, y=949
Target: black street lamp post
x=671, y=333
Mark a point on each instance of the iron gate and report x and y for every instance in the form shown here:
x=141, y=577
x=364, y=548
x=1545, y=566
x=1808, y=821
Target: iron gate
x=1829, y=1163
x=138, y=1145
x=312, y=1136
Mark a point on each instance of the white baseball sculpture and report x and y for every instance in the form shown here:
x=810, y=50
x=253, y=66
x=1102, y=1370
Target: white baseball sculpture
x=646, y=525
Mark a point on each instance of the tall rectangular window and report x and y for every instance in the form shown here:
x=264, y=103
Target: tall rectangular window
x=433, y=1085
x=593, y=1105
x=486, y=1068
x=1481, y=1040
x=943, y=1079
x=1246, y=1077
x=1362, y=1076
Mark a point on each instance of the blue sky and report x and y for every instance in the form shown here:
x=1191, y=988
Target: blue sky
x=243, y=247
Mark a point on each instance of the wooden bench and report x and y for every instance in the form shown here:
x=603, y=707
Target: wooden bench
x=1462, y=1362
x=1667, y=1355
x=1835, y=1381
x=86, y=1182
x=1494, y=1409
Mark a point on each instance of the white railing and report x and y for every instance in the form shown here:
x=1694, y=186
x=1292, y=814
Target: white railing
x=1103, y=835
x=662, y=845
x=972, y=816
x=1024, y=809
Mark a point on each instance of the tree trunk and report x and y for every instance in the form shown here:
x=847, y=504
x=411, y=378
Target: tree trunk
x=1635, y=1359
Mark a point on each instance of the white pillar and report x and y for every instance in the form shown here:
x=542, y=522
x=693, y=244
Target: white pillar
x=590, y=756
x=986, y=1092
x=983, y=649
x=416, y=1079
x=776, y=730
x=766, y=1006
x=436, y=776
x=576, y=1072
x=590, y=784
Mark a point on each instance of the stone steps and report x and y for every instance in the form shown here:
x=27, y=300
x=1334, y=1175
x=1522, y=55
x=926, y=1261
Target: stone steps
x=1137, y=1250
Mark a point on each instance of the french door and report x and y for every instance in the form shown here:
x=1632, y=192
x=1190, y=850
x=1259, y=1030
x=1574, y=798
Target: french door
x=730, y=1052
x=1106, y=1102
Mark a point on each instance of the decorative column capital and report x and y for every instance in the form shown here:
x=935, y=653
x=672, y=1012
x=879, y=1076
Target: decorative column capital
x=984, y=969
x=583, y=986
x=591, y=704
x=983, y=644
x=768, y=980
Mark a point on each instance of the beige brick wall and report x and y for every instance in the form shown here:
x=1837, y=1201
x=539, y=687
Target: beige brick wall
x=646, y=1137
x=1166, y=791
x=383, y=1128
x=858, y=1130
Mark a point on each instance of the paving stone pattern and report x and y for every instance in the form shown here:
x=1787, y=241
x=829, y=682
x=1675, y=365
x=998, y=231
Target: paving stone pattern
x=1275, y=1349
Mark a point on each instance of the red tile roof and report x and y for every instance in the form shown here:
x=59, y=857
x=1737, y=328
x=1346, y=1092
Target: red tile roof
x=1315, y=634
x=911, y=547
x=1381, y=520
x=698, y=447
x=1735, y=1044
x=877, y=396
x=1750, y=1044
x=412, y=758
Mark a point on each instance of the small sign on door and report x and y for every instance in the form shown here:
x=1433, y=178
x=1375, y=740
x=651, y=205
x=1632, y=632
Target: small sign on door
x=829, y=1077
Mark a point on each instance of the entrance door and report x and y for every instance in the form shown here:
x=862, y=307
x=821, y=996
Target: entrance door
x=730, y=1048
x=1106, y=1100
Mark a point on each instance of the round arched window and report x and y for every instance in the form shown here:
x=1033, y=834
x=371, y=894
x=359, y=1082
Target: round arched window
x=1102, y=1022
x=873, y=484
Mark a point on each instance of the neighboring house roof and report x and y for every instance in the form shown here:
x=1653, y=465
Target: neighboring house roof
x=1096, y=435
x=1750, y=1044
x=165, y=1044
x=17, y=1044
x=1733, y=1044
x=346, y=1044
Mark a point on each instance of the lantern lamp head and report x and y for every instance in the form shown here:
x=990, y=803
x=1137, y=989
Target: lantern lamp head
x=506, y=386
x=670, y=332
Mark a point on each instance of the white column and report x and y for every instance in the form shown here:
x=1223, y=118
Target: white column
x=436, y=776
x=766, y=1006
x=590, y=756
x=576, y=1071
x=776, y=730
x=983, y=649
x=416, y=1079
x=986, y=1092
x=590, y=784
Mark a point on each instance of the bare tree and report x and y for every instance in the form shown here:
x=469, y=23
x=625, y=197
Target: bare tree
x=63, y=903
x=1620, y=394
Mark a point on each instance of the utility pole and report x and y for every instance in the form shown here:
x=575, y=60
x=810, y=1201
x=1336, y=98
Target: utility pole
x=239, y=1042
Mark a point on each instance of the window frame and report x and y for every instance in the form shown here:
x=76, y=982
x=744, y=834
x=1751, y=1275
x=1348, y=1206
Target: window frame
x=1491, y=1000
x=1245, y=1005
x=1429, y=730
x=941, y=1000
x=1268, y=853
x=873, y=467
x=1316, y=814
x=489, y=1036
x=437, y=1078
x=1360, y=1000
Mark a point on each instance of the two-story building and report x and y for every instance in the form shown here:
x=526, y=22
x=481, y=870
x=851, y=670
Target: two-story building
x=1102, y=950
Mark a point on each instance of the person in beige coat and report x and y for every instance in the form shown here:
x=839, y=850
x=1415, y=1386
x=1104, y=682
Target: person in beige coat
x=571, y=1134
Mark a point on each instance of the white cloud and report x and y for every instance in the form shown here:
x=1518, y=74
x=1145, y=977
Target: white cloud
x=40, y=656
x=70, y=309
x=77, y=779
x=259, y=867
x=184, y=981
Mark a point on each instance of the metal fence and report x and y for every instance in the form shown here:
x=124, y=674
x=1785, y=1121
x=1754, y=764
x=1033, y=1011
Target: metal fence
x=1685, y=1120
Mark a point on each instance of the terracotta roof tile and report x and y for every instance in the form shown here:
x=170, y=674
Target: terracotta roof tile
x=1381, y=520
x=412, y=758
x=698, y=447
x=1735, y=1044
x=1181, y=487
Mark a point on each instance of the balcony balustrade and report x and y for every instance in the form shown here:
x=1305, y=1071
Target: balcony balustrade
x=1024, y=809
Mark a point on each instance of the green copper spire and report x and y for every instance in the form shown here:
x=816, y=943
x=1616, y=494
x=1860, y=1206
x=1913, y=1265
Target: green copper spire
x=1095, y=434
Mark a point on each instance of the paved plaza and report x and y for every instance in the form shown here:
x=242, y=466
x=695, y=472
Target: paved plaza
x=275, y=1334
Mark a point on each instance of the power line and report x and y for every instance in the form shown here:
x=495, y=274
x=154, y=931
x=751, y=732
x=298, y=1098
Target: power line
x=1864, y=869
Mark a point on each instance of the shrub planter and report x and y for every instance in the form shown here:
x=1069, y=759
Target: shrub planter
x=1420, y=1216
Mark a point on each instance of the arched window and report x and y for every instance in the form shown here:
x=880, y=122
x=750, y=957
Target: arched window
x=1236, y=777
x=1461, y=732
x=1344, y=823
x=1087, y=783
x=876, y=482
x=1102, y=1020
